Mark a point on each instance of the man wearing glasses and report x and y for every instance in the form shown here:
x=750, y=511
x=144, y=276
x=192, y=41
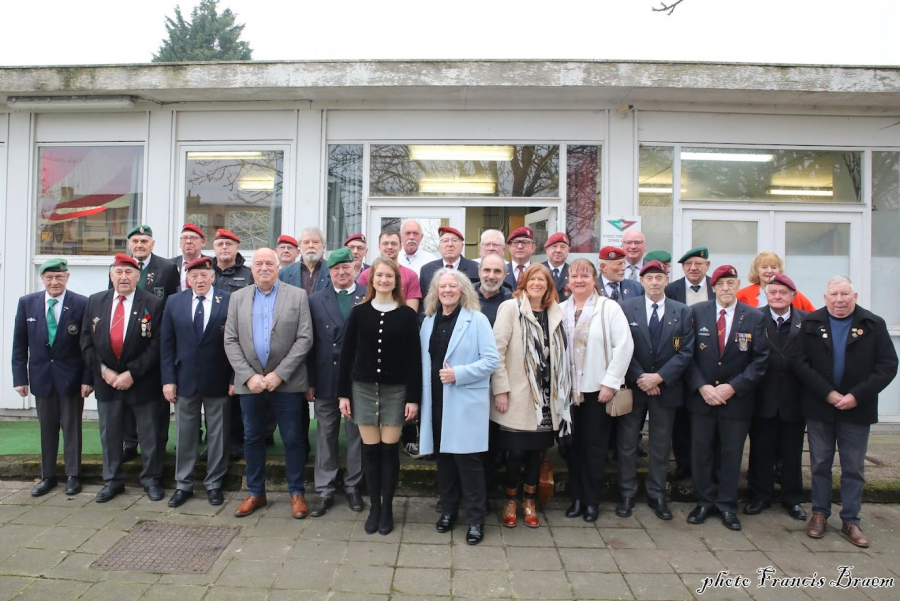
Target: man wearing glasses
x=492, y=243
x=521, y=247
x=635, y=246
x=450, y=245
x=191, y=243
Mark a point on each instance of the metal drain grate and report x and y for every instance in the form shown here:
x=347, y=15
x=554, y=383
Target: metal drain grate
x=168, y=548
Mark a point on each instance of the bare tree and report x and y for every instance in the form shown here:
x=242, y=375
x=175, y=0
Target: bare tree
x=667, y=8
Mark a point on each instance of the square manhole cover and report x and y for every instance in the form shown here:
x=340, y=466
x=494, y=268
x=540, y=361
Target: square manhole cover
x=168, y=548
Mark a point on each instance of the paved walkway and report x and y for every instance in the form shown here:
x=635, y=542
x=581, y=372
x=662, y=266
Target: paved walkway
x=48, y=544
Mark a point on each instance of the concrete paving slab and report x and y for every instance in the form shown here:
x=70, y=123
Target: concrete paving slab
x=372, y=553
x=481, y=583
x=31, y=562
x=642, y=561
x=53, y=590
x=533, y=558
x=174, y=592
x=587, y=560
x=540, y=585
x=306, y=576
x=76, y=566
x=251, y=573
x=10, y=586
x=61, y=538
x=120, y=591
x=422, y=581
x=363, y=579
x=479, y=557
x=667, y=587
x=588, y=585
x=425, y=556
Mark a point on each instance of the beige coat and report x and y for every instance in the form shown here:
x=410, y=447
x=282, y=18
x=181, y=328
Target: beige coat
x=510, y=376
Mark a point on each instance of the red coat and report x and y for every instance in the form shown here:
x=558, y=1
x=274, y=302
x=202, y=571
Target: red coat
x=750, y=296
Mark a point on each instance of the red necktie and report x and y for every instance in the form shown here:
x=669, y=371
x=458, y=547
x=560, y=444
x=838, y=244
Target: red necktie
x=720, y=326
x=521, y=269
x=117, y=330
x=449, y=266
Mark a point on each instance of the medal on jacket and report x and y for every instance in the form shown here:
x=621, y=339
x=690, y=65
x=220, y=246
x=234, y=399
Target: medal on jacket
x=145, y=325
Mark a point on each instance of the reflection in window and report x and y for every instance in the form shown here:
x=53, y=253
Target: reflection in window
x=583, y=198
x=345, y=188
x=771, y=175
x=885, y=241
x=729, y=242
x=239, y=190
x=814, y=252
x=89, y=197
x=464, y=170
x=655, y=181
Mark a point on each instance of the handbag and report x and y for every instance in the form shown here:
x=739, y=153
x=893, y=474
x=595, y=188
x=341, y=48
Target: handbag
x=623, y=401
x=546, y=482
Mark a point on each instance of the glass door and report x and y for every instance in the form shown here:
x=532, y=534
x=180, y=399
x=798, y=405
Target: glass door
x=383, y=218
x=732, y=237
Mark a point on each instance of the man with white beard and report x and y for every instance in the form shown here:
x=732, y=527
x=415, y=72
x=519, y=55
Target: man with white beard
x=311, y=272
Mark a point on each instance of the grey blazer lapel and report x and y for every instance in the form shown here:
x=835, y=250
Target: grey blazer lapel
x=280, y=300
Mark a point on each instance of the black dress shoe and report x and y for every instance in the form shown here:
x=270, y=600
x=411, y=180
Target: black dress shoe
x=129, y=453
x=797, y=512
x=699, y=514
x=215, y=497
x=321, y=506
x=445, y=523
x=355, y=500
x=475, y=534
x=108, y=493
x=660, y=508
x=574, y=510
x=624, y=507
x=43, y=487
x=730, y=521
x=180, y=497
x=73, y=485
x=591, y=513
x=756, y=507
x=155, y=492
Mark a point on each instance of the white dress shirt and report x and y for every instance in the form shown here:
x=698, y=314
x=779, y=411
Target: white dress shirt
x=660, y=308
x=57, y=310
x=636, y=268
x=455, y=264
x=775, y=315
x=729, y=318
x=207, y=306
x=128, y=302
x=415, y=261
x=349, y=290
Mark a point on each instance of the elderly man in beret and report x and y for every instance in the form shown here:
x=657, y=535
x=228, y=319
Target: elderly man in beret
x=232, y=273
x=357, y=245
x=191, y=242
x=47, y=356
x=557, y=249
x=612, y=282
x=521, y=247
x=730, y=355
x=288, y=249
x=450, y=245
x=844, y=358
x=196, y=375
x=664, y=258
x=777, y=427
x=329, y=309
x=120, y=345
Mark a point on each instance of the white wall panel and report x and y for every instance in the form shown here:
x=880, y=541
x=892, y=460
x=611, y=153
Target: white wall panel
x=236, y=125
x=91, y=127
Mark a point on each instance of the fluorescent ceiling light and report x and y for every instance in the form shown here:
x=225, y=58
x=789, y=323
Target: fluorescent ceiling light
x=256, y=184
x=800, y=191
x=201, y=155
x=69, y=103
x=462, y=185
x=441, y=152
x=655, y=190
x=735, y=157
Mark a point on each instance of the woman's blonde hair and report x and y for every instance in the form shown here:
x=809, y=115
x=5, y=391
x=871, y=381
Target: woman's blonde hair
x=397, y=292
x=758, y=260
x=468, y=300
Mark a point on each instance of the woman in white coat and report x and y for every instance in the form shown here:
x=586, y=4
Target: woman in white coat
x=458, y=357
x=586, y=315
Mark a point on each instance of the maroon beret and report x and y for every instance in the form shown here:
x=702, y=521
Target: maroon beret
x=228, y=235
x=190, y=227
x=446, y=229
x=353, y=237
x=557, y=237
x=123, y=260
x=782, y=279
x=653, y=267
x=611, y=253
x=724, y=271
x=200, y=263
x=521, y=232
x=285, y=239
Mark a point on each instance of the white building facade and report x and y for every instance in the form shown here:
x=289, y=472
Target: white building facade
x=802, y=161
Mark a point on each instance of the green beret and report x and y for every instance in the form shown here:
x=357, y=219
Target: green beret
x=341, y=255
x=144, y=230
x=700, y=251
x=658, y=255
x=56, y=264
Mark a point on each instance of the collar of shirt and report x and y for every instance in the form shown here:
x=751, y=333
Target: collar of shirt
x=60, y=298
x=515, y=267
x=775, y=316
x=208, y=296
x=636, y=267
x=349, y=290
x=606, y=283
x=552, y=266
x=455, y=263
x=729, y=311
x=660, y=307
x=272, y=291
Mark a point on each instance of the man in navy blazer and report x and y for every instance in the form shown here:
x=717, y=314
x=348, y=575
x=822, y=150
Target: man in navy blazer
x=47, y=356
x=557, y=249
x=521, y=248
x=612, y=282
x=450, y=245
x=730, y=356
x=196, y=374
x=663, y=333
x=329, y=309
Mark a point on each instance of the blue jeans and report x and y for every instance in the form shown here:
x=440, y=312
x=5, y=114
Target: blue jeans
x=851, y=441
x=292, y=414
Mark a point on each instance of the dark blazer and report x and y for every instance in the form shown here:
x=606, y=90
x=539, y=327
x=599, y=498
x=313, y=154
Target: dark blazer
x=162, y=277
x=627, y=289
x=741, y=369
x=871, y=364
x=779, y=391
x=291, y=275
x=140, y=353
x=179, y=259
x=195, y=366
x=674, y=354
x=328, y=339
x=562, y=282
x=32, y=349
x=467, y=266
x=677, y=290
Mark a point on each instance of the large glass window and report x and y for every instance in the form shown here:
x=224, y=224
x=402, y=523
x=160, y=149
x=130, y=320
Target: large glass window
x=239, y=190
x=583, y=198
x=814, y=252
x=89, y=197
x=464, y=170
x=885, y=241
x=771, y=175
x=655, y=194
x=345, y=193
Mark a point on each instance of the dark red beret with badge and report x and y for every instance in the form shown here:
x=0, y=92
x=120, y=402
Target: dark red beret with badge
x=220, y=234
x=190, y=227
x=780, y=278
x=725, y=271
x=556, y=238
x=652, y=267
x=285, y=239
x=446, y=229
x=611, y=253
x=200, y=263
x=123, y=260
x=521, y=232
x=356, y=236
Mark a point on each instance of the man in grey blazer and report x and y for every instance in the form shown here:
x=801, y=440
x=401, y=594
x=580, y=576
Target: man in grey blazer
x=268, y=334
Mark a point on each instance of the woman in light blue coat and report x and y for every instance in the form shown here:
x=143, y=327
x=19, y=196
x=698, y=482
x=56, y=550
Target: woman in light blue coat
x=458, y=357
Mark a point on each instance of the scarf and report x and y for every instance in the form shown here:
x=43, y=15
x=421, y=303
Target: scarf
x=537, y=366
x=577, y=337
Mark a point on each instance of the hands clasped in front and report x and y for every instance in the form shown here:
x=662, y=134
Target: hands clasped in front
x=259, y=384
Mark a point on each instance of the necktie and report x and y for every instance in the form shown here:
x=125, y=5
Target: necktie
x=556, y=274
x=720, y=327
x=780, y=322
x=634, y=272
x=198, y=318
x=142, y=281
x=521, y=269
x=51, y=321
x=117, y=329
x=695, y=288
x=655, y=328
x=344, y=303
x=613, y=291
x=448, y=266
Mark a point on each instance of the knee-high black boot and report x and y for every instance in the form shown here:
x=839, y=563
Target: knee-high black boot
x=390, y=474
x=372, y=469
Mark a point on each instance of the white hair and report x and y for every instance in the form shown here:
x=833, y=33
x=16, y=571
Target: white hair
x=313, y=231
x=839, y=279
x=419, y=225
x=493, y=233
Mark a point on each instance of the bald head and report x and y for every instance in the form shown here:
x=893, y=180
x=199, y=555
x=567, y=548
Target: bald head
x=264, y=267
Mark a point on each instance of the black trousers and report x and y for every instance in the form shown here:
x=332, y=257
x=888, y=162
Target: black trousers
x=732, y=434
x=459, y=474
x=57, y=413
x=771, y=439
x=681, y=438
x=587, y=459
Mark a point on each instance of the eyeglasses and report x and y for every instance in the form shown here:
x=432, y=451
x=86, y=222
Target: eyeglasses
x=521, y=243
x=190, y=238
x=633, y=243
x=446, y=241
x=492, y=244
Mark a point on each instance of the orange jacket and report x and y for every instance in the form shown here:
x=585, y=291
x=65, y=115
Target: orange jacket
x=750, y=296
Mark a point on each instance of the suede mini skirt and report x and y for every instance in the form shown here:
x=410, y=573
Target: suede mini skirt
x=376, y=404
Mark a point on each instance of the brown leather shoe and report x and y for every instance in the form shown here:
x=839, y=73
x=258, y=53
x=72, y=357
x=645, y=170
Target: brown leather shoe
x=250, y=505
x=855, y=534
x=299, y=508
x=816, y=526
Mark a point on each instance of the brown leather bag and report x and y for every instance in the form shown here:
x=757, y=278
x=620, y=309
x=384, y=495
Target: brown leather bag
x=546, y=483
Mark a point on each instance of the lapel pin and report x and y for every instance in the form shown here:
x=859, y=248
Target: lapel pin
x=31, y=319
